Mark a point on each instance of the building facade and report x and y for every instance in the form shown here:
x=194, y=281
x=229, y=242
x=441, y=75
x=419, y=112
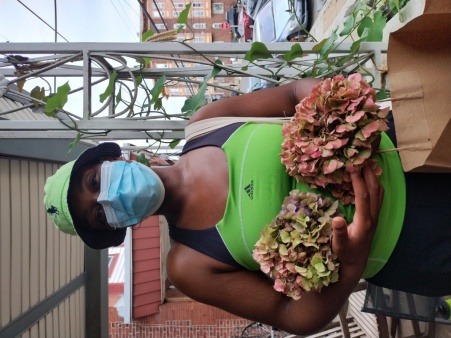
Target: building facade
x=205, y=19
x=205, y=25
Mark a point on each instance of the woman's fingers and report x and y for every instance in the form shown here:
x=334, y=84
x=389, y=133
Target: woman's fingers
x=351, y=243
x=368, y=197
x=375, y=192
x=339, y=235
x=362, y=198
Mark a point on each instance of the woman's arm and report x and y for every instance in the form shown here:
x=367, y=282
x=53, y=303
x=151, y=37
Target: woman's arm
x=251, y=295
x=270, y=102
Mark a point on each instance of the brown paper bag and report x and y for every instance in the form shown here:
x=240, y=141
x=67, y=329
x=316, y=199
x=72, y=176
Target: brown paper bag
x=419, y=75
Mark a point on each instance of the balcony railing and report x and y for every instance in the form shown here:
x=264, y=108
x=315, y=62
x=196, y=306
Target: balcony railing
x=29, y=72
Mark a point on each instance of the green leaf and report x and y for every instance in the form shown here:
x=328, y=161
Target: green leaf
x=324, y=45
x=378, y=27
x=348, y=25
x=38, y=93
x=156, y=91
x=372, y=28
x=355, y=47
x=109, y=89
x=183, y=17
x=74, y=142
x=57, y=100
x=382, y=95
x=195, y=102
x=316, y=48
x=180, y=27
x=258, y=51
x=119, y=96
x=394, y=5
x=328, y=44
x=293, y=53
x=143, y=160
x=145, y=36
x=138, y=80
x=145, y=61
x=174, y=143
x=364, y=24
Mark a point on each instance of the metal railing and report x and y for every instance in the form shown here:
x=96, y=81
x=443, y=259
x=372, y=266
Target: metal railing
x=128, y=111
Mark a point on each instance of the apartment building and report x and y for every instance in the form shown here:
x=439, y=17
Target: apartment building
x=205, y=22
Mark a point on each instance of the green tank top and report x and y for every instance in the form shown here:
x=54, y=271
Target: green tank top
x=258, y=185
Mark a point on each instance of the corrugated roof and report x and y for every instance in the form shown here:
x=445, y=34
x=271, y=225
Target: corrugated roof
x=25, y=114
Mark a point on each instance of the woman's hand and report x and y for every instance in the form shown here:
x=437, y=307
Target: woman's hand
x=352, y=243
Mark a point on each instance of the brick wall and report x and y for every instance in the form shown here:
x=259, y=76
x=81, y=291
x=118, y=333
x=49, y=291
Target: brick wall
x=183, y=319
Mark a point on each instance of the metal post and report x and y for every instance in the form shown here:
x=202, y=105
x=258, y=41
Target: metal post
x=96, y=293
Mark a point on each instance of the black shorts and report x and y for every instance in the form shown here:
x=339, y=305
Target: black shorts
x=421, y=260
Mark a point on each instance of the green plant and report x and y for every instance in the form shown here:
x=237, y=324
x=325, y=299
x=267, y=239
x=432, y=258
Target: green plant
x=364, y=23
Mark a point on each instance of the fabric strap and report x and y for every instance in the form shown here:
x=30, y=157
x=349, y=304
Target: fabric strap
x=205, y=126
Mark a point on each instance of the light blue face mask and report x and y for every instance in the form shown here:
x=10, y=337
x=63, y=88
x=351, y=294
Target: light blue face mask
x=129, y=192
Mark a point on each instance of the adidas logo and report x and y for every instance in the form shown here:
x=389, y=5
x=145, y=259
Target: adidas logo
x=249, y=189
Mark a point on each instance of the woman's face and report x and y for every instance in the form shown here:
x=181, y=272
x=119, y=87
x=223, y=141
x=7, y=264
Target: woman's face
x=83, y=199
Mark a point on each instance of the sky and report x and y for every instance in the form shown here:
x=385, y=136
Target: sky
x=77, y=20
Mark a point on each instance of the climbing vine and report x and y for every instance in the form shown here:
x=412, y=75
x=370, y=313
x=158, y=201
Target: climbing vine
x=365, y=22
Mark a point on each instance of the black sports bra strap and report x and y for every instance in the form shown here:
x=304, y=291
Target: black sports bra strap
x=215, y=138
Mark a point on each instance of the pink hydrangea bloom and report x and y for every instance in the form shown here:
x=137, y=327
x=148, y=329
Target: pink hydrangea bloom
x=333, y=131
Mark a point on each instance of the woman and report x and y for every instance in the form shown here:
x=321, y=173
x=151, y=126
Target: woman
x=219, y=195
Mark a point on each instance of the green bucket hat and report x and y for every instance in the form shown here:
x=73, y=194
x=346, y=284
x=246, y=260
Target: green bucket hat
x=55, y=199
x=56, y=196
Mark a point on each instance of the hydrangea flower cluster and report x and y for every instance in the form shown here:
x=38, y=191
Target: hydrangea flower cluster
x=333, y=130
x=295, y=249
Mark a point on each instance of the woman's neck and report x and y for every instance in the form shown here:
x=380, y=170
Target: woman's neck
x=174, y=181
x=197, y=189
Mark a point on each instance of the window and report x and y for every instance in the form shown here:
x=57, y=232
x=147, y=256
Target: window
x=160, y=26
x=155, y=14
x=199, y=14
x=159, y=5
x=199, y=38
x=161, y=65
x=174, y=90
x=197, y=5
x=218, y=8
x=177, y=25
x=216, y=25
x=179, y=5
x=199, y=25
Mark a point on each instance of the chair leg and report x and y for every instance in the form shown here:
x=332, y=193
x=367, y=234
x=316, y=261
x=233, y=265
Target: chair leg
x=382, y=326
x=395, y=327
x=343, y=321
x=430, y=330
